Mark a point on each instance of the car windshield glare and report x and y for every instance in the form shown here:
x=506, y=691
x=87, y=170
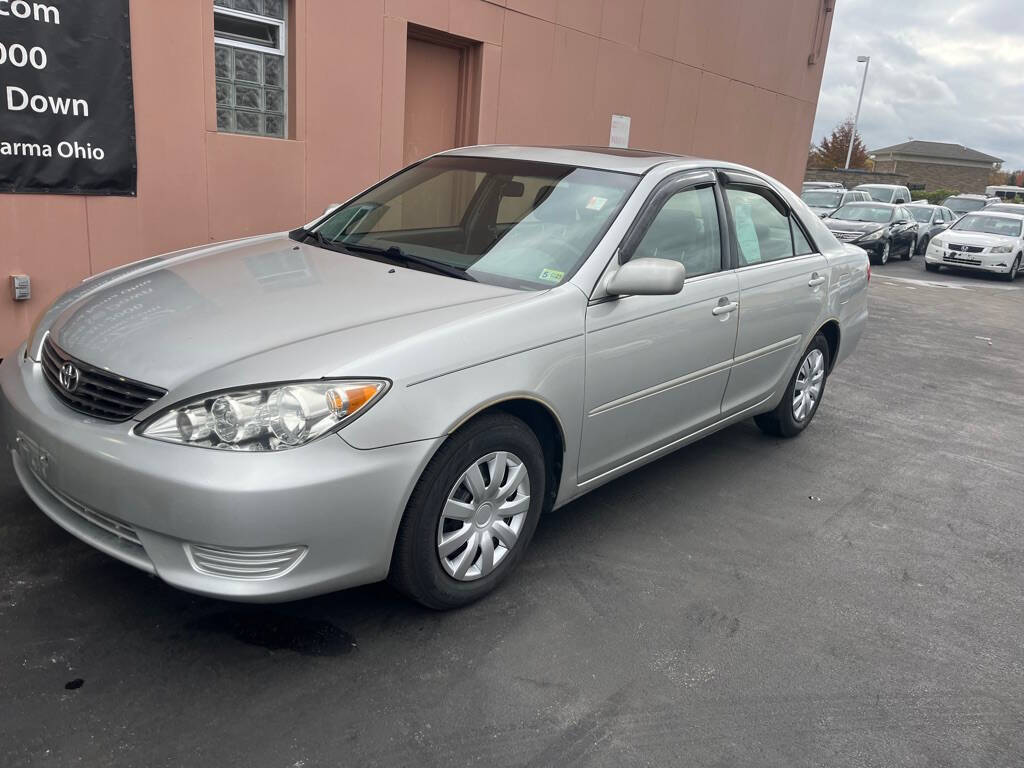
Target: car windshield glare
x=512, y=223
x=989, y=225
x=876, y=214
x=822, y=198
x=878, y=194
x=921, y=213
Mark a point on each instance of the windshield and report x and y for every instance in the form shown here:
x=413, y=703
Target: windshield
x=920, y=213
x=876, y=214
x=505, y=222
x=879, y=194
x=1005, y=208
x=989, y=225
x=821, y=198
x=963, y=205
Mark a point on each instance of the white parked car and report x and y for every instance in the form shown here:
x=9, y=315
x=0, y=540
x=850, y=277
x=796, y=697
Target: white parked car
x=992, y=242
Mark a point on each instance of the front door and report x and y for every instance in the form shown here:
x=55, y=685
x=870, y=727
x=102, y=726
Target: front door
x=783, y=284
x=657, y=366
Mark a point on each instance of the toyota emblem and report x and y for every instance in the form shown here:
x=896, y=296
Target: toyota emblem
x=69, y=376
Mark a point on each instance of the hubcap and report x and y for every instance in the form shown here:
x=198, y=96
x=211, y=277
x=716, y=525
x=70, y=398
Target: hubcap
x=809, y=381
x=483, y=516
x=885, y=253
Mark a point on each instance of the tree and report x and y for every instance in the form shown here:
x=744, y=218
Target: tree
x=831, y=152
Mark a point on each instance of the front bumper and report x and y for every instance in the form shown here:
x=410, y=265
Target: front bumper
x=997, y=263
x=156, y=505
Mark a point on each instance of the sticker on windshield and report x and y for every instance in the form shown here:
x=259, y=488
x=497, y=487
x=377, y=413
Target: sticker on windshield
x=596, y=203
x=552, y=275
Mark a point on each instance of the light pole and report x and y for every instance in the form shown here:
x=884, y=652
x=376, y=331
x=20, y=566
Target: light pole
x=866, y=61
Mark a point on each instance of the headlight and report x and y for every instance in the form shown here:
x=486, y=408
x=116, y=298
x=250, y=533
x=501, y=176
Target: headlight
x=265, y=419
x=876, y=235
x=1002, y=249
x=938, y=242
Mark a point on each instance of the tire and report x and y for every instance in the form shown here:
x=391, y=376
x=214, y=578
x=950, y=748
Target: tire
x=1014, y=269
x=911, y=250
x=883, y=257
x=784, y=421
x=922, y=247
x=932, y=267
x=417, y=568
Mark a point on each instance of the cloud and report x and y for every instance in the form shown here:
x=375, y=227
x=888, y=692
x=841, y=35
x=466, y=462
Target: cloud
x=941, y=70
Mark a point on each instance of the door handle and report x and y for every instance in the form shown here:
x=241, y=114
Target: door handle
x=815, y=280
x=725, y=309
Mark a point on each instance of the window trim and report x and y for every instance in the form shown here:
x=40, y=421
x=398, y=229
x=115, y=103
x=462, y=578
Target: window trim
x=666, y=189
x=281, y=24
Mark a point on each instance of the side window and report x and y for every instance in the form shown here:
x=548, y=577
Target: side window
x=801, y=245
x=686, y=229
x=762, y=233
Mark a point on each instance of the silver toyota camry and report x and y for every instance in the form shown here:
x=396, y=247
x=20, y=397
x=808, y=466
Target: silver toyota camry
x=401, y=388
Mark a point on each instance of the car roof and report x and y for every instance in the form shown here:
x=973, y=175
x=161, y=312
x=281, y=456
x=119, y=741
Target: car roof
x=881, y=186
x=967, y=197
x=636, y=161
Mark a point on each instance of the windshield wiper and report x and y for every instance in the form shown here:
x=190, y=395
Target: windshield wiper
x=394, y=253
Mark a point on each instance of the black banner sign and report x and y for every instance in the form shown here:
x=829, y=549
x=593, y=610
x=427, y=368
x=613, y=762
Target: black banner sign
x=67, y=115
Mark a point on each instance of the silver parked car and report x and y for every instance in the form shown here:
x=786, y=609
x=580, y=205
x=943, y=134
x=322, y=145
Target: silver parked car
x=399, y=389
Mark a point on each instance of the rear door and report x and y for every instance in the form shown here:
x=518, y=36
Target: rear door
x=783, y=282
x=657, y=366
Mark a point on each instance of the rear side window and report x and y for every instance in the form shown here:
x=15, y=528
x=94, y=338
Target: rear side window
x=801, y=245
x=761, y=232
x=686, y=230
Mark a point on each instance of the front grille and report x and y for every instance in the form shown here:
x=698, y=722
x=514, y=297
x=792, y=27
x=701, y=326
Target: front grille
x=953, y=259
x=966, y=248
x=99, y=393
x=847, y=236
x=244, y=563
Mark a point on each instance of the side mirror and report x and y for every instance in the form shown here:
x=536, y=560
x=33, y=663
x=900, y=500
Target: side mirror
x=899, y=201
x=647, y=277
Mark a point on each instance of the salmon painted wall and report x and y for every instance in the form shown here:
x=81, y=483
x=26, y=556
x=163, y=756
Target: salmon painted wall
x=723, y=78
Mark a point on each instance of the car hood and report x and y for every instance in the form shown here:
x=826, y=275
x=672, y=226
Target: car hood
x=840, y=225
x=977, y=238
x=187, y=315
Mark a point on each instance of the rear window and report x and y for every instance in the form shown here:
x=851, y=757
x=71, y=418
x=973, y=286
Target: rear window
x=963, y=204
x=879, y=194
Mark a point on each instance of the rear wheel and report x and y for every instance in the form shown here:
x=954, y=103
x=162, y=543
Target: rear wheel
x=472, y=514
x=803, y=395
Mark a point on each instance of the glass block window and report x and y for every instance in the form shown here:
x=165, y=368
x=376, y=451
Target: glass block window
x=251, y=66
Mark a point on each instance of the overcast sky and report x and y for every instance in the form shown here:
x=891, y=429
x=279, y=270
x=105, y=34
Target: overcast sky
x=941, y=70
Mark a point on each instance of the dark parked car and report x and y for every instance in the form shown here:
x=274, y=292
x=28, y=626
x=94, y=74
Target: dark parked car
x=881, y=229
x=931, y=220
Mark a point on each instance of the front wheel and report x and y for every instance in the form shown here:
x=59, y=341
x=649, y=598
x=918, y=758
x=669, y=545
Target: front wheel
x=471, y=515
x=911, y=250
x=883, y=257
x=803, y=395
x=1014, y=269
x=922, y=247
x=932, y=267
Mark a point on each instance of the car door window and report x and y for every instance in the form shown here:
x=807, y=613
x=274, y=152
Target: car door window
x=760, y=230
x=686, y=230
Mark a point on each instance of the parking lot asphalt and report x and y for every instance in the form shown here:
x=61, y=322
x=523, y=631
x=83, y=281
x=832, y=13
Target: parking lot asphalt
x=854, y=597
